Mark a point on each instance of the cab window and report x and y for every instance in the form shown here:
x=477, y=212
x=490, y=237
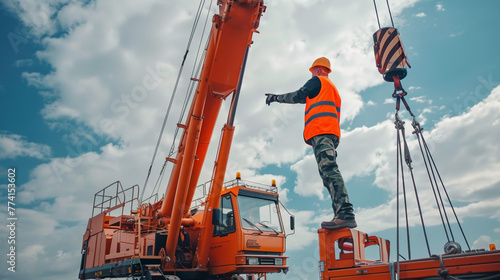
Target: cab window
x=259, y=214
x=226, y=218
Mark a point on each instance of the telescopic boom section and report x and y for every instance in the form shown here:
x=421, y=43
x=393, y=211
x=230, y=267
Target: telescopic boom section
x=231, y=34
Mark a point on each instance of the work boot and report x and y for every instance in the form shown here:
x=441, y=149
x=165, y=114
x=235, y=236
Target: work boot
x=339, y=223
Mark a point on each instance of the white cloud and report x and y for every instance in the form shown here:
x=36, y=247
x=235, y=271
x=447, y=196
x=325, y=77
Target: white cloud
x=24, y=62
x=13, y=146
x=478, y=173
x=85, y=172
x=456, y=34
x=364, y=149
x=305, y=235
x=389, y=101
x=118, y=80
x=36, y=15
x=421, y=99
x=308, y=180
x=50, y=242
x=440, y=7
x=422, y=14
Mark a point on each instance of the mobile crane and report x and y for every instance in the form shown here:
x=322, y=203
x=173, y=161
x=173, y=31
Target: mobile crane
x=238, y=229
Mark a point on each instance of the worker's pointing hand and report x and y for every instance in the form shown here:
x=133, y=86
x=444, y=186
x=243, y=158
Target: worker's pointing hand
x=271, y=98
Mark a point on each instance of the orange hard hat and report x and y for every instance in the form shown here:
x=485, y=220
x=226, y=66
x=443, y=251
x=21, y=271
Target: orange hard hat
x=322, y=61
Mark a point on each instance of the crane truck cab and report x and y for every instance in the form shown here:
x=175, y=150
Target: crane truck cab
x=249, y=234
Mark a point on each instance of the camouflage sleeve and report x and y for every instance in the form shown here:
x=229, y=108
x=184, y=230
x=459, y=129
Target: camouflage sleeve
x=292, y=97
x=310, y=89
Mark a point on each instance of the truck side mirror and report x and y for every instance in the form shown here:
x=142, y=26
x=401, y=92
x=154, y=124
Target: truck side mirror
x=292, y=222
x=216, y=216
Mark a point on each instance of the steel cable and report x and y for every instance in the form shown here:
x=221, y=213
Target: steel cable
x=193, y=29
x=189, y=93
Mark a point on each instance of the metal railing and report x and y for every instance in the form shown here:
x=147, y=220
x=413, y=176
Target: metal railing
x=205, y=187
x=114, y=197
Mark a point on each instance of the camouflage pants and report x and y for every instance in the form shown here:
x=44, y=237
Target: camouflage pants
x=324, y=151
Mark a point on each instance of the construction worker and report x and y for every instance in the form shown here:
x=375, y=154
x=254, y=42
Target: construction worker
x=322, y=132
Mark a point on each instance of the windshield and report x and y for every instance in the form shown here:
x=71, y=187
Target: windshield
x=259, y=214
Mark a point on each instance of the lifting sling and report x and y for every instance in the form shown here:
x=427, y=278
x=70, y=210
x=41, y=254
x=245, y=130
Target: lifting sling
x=391, y=61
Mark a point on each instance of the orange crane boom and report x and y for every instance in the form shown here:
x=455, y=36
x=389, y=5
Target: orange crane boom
x=230, y=37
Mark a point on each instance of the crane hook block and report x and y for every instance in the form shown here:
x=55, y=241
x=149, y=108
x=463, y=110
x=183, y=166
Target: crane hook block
x=390, y=56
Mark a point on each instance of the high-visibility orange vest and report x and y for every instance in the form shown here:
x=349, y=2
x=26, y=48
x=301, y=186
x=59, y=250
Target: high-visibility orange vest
x=322, y=113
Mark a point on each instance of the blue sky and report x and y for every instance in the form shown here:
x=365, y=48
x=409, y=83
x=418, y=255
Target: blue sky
x=70, y=123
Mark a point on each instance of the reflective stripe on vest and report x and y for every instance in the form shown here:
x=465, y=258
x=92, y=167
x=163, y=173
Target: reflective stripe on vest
x=322, y=113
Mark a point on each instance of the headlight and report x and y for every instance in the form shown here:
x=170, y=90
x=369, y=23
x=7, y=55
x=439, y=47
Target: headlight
x=253, y=261
x=278, y=261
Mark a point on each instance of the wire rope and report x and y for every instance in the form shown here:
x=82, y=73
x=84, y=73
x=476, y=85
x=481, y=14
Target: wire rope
x=433, y=175
x=376, y=14
x=193, y=29
x=390, y=14
x=189, y=92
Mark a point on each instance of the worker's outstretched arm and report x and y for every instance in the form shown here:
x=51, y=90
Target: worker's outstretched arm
x=310, y=89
